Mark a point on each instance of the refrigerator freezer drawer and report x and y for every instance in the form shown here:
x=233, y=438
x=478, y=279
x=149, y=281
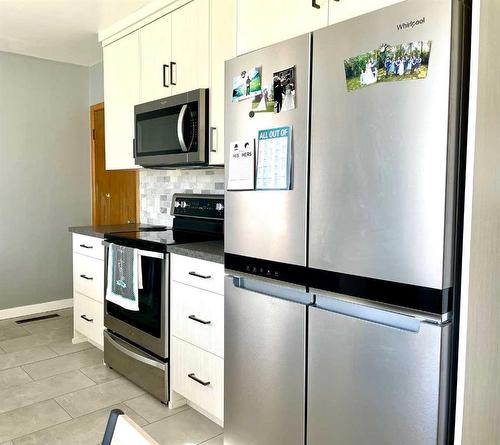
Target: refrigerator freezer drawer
x=373, y=383
x=264, y=388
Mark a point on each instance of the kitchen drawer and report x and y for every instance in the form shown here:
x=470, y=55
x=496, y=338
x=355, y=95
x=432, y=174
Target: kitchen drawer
x=190, y=363
x=88, y=245
x=198, y=317
x=88, y=277
x=198, y=273
x=88, y=317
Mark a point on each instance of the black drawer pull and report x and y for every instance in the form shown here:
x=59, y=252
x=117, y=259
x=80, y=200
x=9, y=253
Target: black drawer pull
x=192, y=376
x=194, y=318
x=205, y=277
x=85, y=277
x=86, y=247
x=315, y=5
x=90, y=320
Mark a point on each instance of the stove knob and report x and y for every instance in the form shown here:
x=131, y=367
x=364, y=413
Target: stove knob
x=219, y=207
x=183, y=204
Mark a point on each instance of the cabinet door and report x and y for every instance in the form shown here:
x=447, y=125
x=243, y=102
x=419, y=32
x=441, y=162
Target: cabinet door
x=222, y=48
x=121, y=93
x=347, y=9
x=263, y=22
x=190, y=47
x=156, y=54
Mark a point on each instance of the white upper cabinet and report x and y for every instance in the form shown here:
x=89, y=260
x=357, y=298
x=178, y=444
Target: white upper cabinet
x=156, y=58
x=347, y=9
x=222, y=48
x=121, y=93
x=190, y=47
x=264, y=22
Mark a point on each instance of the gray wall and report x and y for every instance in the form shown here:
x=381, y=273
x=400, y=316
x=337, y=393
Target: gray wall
x=96, y=84
x=44, y=176
x=482, y=366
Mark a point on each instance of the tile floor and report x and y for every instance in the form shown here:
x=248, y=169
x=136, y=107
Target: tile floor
x=54, y=392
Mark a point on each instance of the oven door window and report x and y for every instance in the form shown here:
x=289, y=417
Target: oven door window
x=149, y=317
x=171, y=130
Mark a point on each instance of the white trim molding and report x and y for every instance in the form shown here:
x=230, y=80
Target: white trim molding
x=467, y=230
x=32, y=309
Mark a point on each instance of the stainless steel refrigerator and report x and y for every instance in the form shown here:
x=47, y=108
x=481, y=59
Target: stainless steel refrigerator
x=341, y=292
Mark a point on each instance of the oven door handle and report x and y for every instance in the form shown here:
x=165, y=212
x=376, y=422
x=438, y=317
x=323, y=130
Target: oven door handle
x=180, y=128
x=146, y=253
x=133, y=355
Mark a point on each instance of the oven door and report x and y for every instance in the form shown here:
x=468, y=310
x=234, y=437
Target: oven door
x=171, y=131
x=147, y=327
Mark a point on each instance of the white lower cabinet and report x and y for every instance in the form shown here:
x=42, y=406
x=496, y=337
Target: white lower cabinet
x=198, y=376
x=89, y=318
x=88, y=289
x=197, y=328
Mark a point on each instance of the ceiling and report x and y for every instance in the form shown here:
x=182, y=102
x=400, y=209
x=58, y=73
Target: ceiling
x=62, y=30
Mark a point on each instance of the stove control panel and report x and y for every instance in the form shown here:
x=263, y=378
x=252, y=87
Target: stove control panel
x=198, y=206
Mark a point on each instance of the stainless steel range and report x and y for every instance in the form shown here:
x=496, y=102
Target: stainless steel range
x=136, y=343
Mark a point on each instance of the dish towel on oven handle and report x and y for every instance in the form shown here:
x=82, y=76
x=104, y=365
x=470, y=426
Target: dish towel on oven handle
x=124, y=277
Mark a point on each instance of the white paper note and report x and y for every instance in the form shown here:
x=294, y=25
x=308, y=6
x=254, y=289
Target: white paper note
x=241, y=165
x=274, y=159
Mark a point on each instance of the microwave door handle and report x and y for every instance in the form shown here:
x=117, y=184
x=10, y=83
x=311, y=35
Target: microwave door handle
x=180, y=125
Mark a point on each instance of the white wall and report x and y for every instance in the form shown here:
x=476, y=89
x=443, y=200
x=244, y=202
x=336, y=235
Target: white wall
x=478, y=394
x=44, y=176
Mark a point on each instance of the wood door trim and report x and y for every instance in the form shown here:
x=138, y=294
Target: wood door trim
x=93, y=109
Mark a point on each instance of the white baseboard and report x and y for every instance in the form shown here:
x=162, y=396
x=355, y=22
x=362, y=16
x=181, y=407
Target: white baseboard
x=32, y=309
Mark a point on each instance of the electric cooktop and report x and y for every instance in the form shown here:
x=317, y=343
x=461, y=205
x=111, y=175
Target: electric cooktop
x=160, y=240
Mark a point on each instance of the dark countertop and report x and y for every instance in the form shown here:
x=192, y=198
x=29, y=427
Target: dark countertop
x=206, y=250
x=102, y=231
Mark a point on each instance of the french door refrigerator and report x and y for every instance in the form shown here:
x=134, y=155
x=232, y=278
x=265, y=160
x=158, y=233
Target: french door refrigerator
x=340, y=296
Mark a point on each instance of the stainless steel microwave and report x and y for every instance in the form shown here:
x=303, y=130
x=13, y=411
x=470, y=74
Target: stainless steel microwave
x=172, y=132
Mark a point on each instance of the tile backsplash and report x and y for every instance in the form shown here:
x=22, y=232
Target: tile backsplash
x=158, y=186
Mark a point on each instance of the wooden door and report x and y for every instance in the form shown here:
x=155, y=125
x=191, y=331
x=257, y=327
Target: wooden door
x=114, y=193
x=156, y=55
x=190, y=47
x=121, y=93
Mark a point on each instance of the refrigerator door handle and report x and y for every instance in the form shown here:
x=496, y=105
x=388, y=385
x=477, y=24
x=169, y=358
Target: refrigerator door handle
x=369, y=314
x=272, y=290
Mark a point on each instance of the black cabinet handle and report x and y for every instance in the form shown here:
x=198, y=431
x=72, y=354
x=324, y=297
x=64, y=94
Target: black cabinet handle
x=86, y=247
x=197, y=275
x=165, y=82
x=172, y=64
x=90, y=320
x=194, y=318
x=315, y=5
x=85, y=277
x=192, y=376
